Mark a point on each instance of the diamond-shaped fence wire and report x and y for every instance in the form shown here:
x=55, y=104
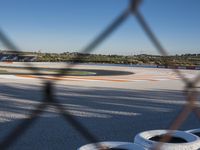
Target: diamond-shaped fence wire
x=50, y=99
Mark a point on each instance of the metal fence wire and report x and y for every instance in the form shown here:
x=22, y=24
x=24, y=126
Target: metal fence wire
x=49, y=98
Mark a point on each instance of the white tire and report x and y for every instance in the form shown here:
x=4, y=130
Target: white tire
x=113, y=145
x=189, y=141
x=194, y=131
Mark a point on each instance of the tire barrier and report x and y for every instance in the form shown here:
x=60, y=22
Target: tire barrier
x=195, y=132
x=180, y=140
x=111, y=146
x=180, y=67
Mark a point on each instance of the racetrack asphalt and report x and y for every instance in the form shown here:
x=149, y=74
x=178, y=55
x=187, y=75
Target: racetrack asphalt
x=110, y=110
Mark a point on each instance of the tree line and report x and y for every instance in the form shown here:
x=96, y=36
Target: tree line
x=179, y=60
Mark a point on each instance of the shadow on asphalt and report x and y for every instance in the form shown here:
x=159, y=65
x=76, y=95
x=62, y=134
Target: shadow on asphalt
x=112, y=114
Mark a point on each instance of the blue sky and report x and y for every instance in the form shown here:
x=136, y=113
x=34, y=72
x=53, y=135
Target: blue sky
x=68, y=25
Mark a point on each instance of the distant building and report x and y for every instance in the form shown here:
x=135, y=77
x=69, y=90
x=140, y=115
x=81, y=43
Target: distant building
x=27, y=58
x=16, y=56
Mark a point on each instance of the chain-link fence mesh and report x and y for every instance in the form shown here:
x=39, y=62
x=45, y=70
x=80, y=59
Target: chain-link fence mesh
x=50, y=99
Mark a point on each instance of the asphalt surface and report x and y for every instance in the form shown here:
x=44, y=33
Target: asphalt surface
x=14, y=70
x=112, y=111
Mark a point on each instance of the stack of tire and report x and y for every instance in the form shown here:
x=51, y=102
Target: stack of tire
x=179, y=140
x=111, y=146
x=195, y=132
x=147, y=140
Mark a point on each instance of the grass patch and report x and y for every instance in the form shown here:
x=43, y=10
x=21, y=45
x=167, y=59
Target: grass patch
x=50, y=72
x=82, y=73
x=3, y=71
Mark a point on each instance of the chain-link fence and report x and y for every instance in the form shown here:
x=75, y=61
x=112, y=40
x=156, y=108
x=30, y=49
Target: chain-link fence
x=49, y=95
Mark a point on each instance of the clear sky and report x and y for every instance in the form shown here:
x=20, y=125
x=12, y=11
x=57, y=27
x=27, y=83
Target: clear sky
x=68, y=25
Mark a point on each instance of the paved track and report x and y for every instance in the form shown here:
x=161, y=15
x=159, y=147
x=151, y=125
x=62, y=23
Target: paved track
x=113, y=108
